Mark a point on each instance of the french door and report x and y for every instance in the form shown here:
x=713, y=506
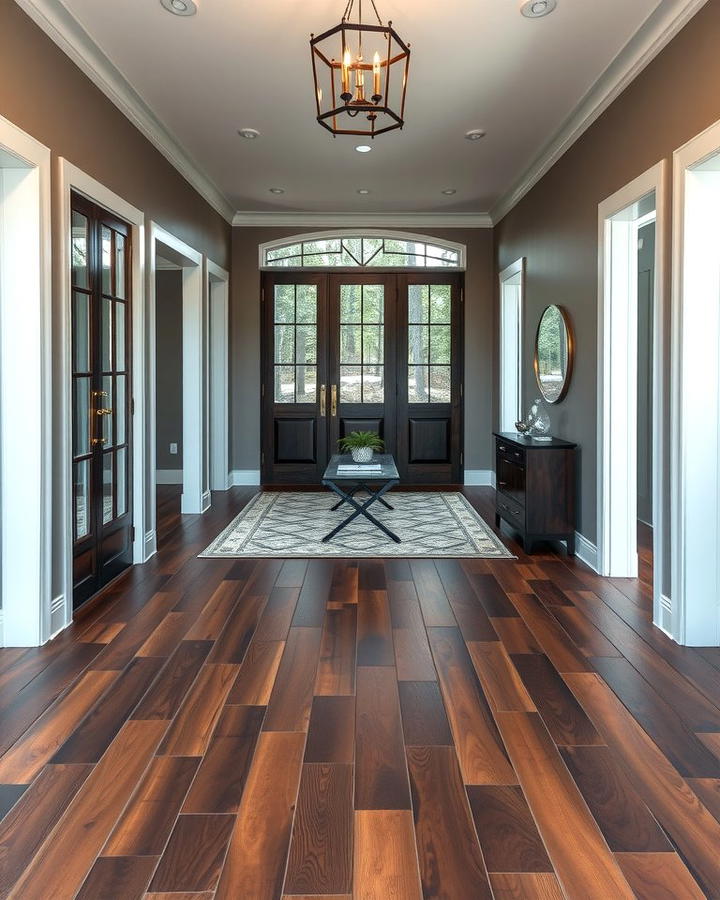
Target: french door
x=362, y=351
x=101, y=398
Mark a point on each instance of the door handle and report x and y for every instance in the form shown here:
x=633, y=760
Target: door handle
x=98, y=441
x=103, y=412
x=333, y=401
x=323, y=398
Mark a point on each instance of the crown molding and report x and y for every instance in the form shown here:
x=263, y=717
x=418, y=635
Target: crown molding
x=360, y=220
x=656, y=33
x=60, y=26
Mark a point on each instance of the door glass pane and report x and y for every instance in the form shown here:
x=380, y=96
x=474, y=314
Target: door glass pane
x=440, y=344
x=440, y=305
x=439, y=384
x=351, y=303
x=106, y=242
x=418, y=302
x=306, y=344
x=373, y=302
x=350, y=384
x=350, y=344
x=373, y=339
x=284, y=303
x=295, y=353
x=284, y=384
x=120, y=361
x=81, y=496
x=107, y=487
x=418, y=345
x=284, y=343
x=79, y=250
x=429, y=343
x=81, y=417
x=119, y=408
x=81, y=332
x=119, y=265
x=106, y=330
x=107, y=403
x=306, y=303
x=373, y=387
x=362, y=343
x=418, y=384
x=122, y=480
x=305, y=384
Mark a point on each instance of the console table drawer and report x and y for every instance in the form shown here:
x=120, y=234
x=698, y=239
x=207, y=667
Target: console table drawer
x=510, y=511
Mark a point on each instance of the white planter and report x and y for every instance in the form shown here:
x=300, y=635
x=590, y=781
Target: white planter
x=362, y=454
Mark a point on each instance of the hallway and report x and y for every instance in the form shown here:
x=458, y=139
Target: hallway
x=260, y=728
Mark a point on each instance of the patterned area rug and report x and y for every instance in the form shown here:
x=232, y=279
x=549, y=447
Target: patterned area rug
x=288, y=524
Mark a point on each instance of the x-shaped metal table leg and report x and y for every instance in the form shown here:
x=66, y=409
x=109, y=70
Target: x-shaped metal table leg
x=361, y=510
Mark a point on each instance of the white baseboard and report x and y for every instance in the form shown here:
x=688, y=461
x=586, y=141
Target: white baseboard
x=169, y=476
x=57, y=614
x=240, y=477
x=480, y=477
x=666, y=622
x=206, y=501
x=586, y=551
x=150, y=545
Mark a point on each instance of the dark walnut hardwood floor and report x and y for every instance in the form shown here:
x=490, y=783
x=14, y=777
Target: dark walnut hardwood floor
x=370, y=729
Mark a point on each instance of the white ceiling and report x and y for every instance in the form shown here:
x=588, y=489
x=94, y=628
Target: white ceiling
x=475, y=64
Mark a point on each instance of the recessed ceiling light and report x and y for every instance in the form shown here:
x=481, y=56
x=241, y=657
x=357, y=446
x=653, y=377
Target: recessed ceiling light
x=249, y=133
x=363, y=191
x=536, y=9
x=449, y=192
x=180, y=7
x=363, y=148
x=277, y=190
x=476, y=134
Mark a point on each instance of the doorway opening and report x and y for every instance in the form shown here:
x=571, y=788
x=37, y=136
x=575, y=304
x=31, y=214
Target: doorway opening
x=512, y=286
x=630, y=385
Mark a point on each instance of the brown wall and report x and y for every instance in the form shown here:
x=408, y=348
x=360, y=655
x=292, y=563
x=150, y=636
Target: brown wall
x=555, y=225
x=245, y=342
x=43, y=92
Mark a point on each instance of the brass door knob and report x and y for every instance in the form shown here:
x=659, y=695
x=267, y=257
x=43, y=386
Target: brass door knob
x=104, y=412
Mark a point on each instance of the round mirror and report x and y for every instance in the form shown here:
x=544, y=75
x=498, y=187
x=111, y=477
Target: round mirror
x=553, y=354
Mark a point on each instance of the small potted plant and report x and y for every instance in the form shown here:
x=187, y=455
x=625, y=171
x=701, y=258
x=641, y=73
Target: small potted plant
x=361, y=445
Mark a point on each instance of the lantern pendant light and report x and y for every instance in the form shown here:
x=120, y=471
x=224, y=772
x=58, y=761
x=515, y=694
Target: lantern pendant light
x=355, y=57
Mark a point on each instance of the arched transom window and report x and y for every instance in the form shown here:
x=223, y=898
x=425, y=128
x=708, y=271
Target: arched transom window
x=368, y=249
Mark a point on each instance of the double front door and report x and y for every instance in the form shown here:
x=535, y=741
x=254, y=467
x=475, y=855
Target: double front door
x=101, y=398
x=362, y=352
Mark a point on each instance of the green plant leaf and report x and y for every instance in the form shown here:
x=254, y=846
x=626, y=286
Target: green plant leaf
x=357, y=439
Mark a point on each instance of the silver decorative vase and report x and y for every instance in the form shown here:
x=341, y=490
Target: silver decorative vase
x=362, y=454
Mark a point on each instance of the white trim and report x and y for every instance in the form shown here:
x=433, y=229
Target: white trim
x=61, y=27
x=251, y=219
x=26, y=443
x=150, y=543
x=654, y=35
x=194, y=315
x=513, y=271
x=479, y=478
x=219, y=390
x=586, y=551
x=168, y=476
x=71, y=178
x=617, y=374
x=695, y=394
x=241, y=477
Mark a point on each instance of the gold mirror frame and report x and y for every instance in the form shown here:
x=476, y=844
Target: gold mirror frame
x=570, y=354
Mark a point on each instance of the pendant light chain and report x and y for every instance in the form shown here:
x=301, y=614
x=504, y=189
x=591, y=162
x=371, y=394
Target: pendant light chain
x=349, y=8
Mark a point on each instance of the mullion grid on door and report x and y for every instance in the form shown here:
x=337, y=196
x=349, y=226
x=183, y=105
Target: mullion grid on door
x=362, y=342
x=295, y=342
x=429, y=343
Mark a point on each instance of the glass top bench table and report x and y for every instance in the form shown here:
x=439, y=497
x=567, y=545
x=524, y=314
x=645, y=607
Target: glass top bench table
x=342, y=470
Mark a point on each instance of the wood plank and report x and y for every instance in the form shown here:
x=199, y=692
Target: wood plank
x=502, y=684
x=118, y=876
x=507, y=831
x=493, y=598
x=165, y=638
x=67, y=856
x=35, y=748
x=291, y=698
x=182, y=867
x=9, y=796
x=482, y=754
x=180, y=895
x=257, y=674
x=344, y=586
x=424, y=719
x=508, y=574
x=582, y=860
x=235, y=638
x=29, y=822
x=165, y=696
x=385, y=858
x=314, y=595
x=626, y=822
x=292, y=573
x=563, y=716
x=413, y=659
x=688, y=754
x=320, y=858
x=381, y=780
x=275, y=620
x=674, y=804
x=549, y=592
x=146, y=822
x=336, y=669
x=711, y=741
x=472, y=619
x=191, y=729
x=433, y=601
x=659, y=876
x=371, y=575
x=448, y=850
x=255, y=862
x=556, y=643
x=118, y=653
x=101, y=632
x=331, y=735
x=211, y=621
x=515, y=636
x=536, y=886
x=374, y=629
x=220, y=780
x=589, y=639
x=708, y=790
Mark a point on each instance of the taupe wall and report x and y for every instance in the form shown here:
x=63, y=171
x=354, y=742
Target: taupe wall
x=245, y=342
x=169, y=372
x=555, y=225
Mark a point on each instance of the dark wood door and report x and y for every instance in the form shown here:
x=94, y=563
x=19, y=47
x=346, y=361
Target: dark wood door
x=294, y=386
x=101, y=398
x=362, y=341
x=430, y=378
